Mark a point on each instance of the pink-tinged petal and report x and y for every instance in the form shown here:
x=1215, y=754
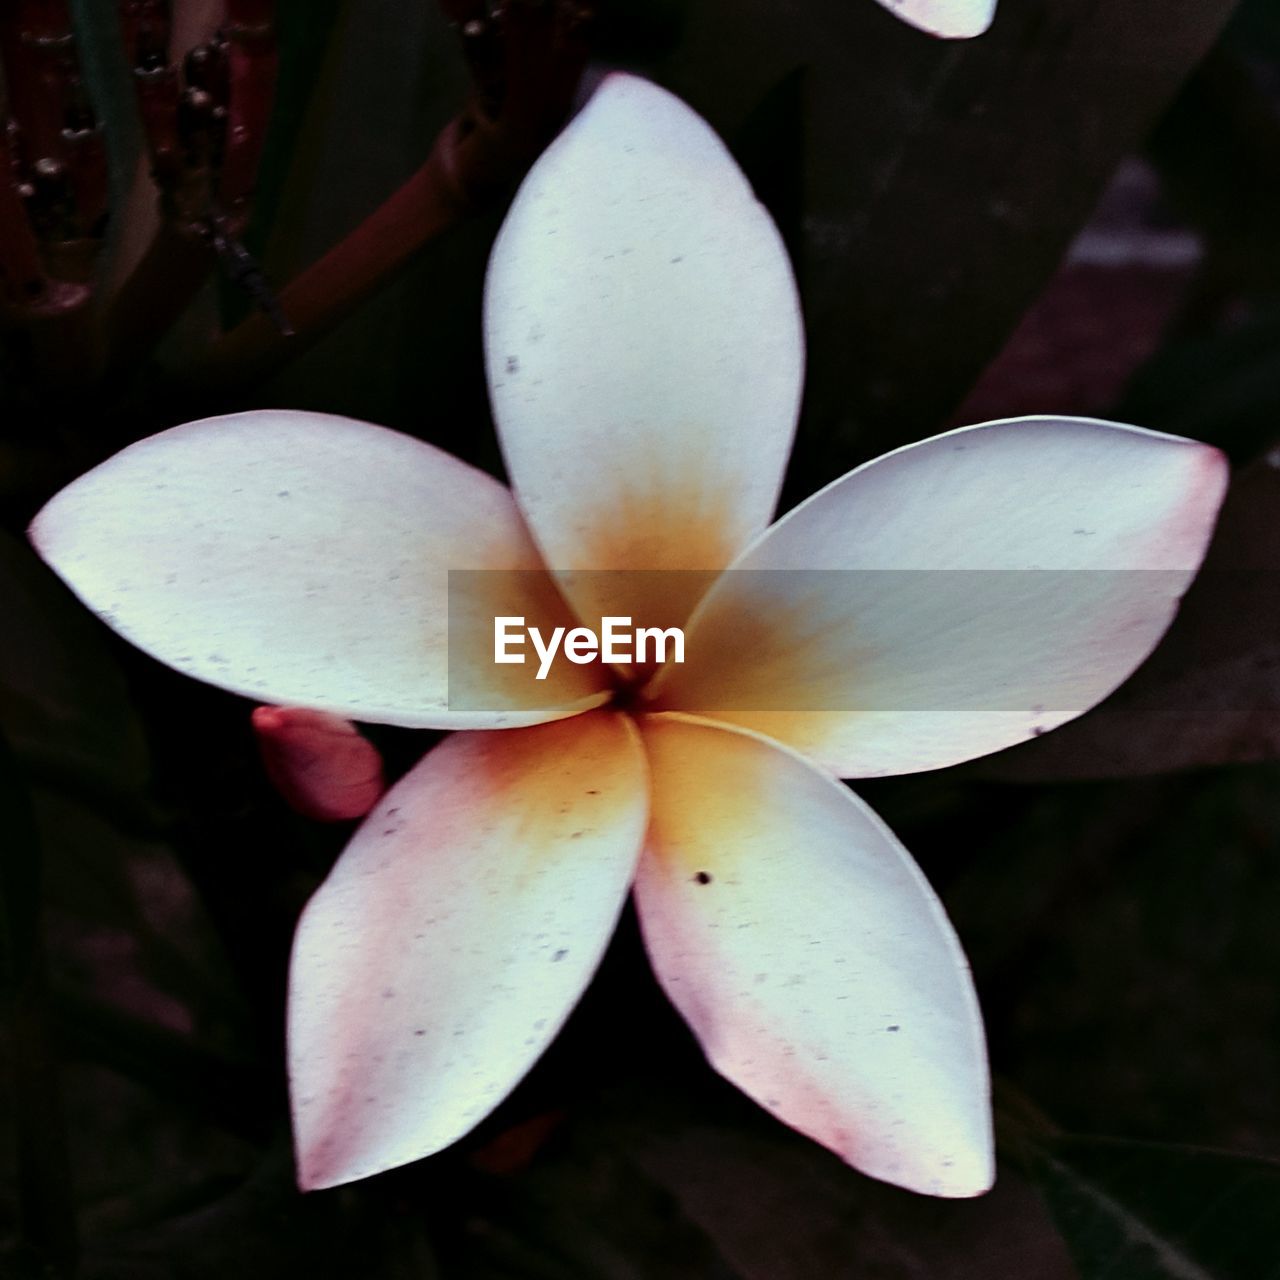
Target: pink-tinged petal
x=304, y=560
x=956, y=596
x=454, y=935
x=321, y=764
x=811, y=958
x=951, y=19
x=645, y=352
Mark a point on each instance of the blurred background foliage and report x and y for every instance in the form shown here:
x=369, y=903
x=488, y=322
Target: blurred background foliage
x=1078, y=212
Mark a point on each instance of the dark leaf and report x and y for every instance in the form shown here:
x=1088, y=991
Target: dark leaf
x=1210, y=694
x=30, y=1102
x=1218, y=151
x=943, y=180
x=1222, y=386
x=1123, y=938
x=63, y=702
x=310, y=36
x=690, y=1178
x=1145, y=1211
x=19, y=876
x=260, y=1226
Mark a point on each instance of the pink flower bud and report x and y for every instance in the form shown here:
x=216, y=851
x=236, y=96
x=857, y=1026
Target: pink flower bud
x=319, y=762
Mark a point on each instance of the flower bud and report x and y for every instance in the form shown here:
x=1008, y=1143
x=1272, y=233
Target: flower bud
x=319, y=763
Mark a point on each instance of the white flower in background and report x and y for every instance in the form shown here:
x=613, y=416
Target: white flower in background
x=645, y=359
x=952, y=19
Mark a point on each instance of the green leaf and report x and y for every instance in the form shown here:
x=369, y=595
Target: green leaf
x=1145, y=1211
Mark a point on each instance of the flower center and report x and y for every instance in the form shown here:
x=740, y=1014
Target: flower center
x=628, y=690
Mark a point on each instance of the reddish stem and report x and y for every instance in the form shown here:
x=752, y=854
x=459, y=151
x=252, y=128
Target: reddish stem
x=145, y=26
x=53, y=195
x=21, y=272
x=158, y=92
x=181, y=257
x=352, y=270
x=86, y=153
x=253, y=65
x=37, y=44
x=53, y=313
x=156, y=293
x=540, y=55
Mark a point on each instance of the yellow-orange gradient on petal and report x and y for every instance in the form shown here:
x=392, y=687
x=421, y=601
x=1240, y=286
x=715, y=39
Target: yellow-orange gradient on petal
x=644, y=348
x=652, y=548
x=500, y=694
x=305, y=560
x=811, y=958
x=955, y=596
x=454, y=935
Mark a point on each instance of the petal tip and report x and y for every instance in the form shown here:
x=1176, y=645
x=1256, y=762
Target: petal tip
x=309, y=1179
x=39, y=532
x=1207, y=481
x=1215, y=467
x=620, y=86
x=945, y=19
x=958, y=1175
x=969, y=1178
x=329, y=1152
x=313, y=1173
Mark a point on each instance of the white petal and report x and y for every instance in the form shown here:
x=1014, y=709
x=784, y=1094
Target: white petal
x=645, y=350
x=953, y=19
x=811, y=958
x=453, y=937
x=988, y=584
x=304, y=559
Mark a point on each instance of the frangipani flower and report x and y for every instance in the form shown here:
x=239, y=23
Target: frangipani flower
x=645, y=359
x=953, y=19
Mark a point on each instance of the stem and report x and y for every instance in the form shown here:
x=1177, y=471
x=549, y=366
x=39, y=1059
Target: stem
x=155, y=294
x=53, y=192
x=254, y=63
x=325, y=292
x=533, y=56
x=62, y=341
x=37, y=44
x=21, y=272
x=198, y=185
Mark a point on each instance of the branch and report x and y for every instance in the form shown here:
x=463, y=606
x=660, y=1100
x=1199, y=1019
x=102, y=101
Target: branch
x=21, y=272
x=53, y=191
x=205, y=130
x=526, y=61
x=253, y=64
